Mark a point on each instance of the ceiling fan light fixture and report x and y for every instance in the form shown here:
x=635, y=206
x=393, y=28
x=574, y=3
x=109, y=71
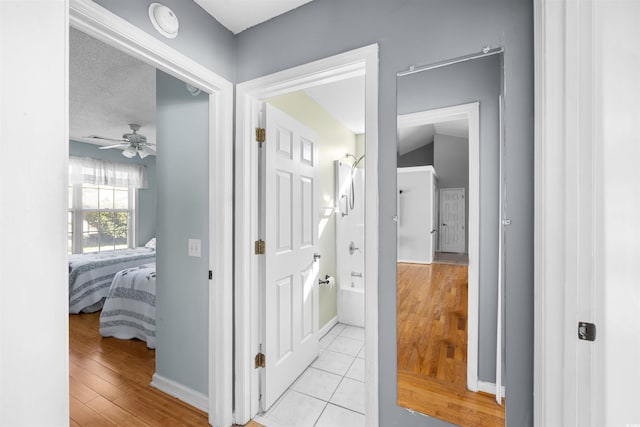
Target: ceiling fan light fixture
x=143, y=152
x=164, y=20
x=129, y=152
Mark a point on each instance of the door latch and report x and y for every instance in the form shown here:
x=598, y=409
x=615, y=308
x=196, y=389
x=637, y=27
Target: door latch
x=586, y=331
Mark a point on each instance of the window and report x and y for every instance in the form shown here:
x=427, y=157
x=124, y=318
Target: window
x=102, y=197
x=101, y=217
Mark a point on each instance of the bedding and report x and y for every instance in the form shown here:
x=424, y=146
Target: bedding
x=130, y=308
x=90, y=275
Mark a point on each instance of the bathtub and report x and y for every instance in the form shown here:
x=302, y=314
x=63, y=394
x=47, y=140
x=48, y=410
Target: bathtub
x=351, y=301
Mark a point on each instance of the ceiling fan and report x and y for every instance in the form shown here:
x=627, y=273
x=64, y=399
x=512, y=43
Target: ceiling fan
x=135, y=142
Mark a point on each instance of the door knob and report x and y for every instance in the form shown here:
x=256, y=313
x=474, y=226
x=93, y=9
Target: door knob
x=316, y=257
x=434, y=231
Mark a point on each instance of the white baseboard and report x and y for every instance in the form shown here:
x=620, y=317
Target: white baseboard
x=179, y=391
x=326, y=328
x=413, y=261
x=489, y=388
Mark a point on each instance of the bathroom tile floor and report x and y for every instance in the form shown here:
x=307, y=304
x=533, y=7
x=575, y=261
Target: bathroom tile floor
x=330, y=392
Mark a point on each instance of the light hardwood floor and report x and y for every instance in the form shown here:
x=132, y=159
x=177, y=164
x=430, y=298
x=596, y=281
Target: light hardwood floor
x=109, y=382
x=432, y=346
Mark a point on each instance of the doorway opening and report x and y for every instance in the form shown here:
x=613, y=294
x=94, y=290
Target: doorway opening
x=106, y=27
x=251, y=383
x=452, y=236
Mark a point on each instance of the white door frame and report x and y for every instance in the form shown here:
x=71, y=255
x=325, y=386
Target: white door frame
x=470, y=112
x=362, y=61
x=101, y=24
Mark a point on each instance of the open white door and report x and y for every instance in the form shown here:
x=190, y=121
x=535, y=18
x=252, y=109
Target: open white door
x=291, y=244
x=452, y=219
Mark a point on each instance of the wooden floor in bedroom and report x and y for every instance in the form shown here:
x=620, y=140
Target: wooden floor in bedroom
x=109, y=382
x=432, y=346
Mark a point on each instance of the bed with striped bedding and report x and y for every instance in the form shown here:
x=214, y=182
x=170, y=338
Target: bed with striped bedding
x=90, y=275
x=130, y=308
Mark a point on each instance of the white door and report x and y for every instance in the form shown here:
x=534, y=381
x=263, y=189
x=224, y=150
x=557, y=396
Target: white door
x=291, y=241
x=452, y=219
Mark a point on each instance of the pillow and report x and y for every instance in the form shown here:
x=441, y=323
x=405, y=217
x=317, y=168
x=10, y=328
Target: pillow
x=151, y=244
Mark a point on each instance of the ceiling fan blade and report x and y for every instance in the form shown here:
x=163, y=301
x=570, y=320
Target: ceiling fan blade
x=113, y=146
x=106, y=139
x=150, y=150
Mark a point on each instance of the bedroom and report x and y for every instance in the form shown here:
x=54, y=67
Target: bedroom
x=109, y=90
x=112, y=191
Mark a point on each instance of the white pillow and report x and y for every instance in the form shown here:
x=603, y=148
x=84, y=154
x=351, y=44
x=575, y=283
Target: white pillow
x=151, y=244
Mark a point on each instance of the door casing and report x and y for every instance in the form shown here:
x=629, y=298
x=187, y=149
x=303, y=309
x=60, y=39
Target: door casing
x=362, y=61
x=101, y=24
x=470, y=112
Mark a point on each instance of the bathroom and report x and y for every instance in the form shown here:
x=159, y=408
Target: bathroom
x=334, y=376
x=336, y=112
x=350, y=239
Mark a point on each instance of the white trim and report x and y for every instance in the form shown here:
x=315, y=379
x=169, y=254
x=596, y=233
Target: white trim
x=327, y=327
x=470, y=112
x=177, y=390
x=489, y=388
x=362, y=61
x=568, y=211
x=417, y=168
x=103, y=25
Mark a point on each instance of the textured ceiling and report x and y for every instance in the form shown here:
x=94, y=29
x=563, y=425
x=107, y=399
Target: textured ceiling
x=413, y=137
x=108, y=90
x=238, y=15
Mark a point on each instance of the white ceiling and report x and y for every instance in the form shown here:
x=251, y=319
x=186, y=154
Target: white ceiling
x=344, y=100
x=238, y=15
x=413, y=137
x=108, y=90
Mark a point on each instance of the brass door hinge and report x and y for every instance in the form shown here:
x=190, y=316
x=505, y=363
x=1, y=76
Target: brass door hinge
x=260, y=362
x=259, y=247
x=261, y=134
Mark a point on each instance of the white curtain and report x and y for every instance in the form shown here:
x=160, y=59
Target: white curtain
x=85, y=170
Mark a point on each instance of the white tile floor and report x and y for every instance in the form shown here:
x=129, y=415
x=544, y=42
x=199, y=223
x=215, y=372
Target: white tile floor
x=330, y=392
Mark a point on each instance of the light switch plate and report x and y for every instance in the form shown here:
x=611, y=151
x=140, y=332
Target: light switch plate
x=195, y=247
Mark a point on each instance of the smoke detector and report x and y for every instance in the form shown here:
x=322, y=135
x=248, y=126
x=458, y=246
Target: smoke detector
x=164, y=20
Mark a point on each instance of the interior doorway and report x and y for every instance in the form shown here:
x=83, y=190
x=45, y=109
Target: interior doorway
x=114, y=31
x=469, y=114
x=249, y=97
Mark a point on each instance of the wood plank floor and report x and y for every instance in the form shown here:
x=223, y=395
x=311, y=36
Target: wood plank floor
x=432, y=346
x=109, y=382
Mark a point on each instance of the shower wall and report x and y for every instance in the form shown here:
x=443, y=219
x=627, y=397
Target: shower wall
x=350, y=244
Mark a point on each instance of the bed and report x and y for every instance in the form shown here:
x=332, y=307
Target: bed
x=90, y=275
x=129, y=310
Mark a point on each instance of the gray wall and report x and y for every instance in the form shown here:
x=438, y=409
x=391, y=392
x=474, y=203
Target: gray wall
x=421, y=32
x=183, y=212
x=200, y=36
x=451, y=162
x=146, y=209
x=422, y=156
x=470, y=81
